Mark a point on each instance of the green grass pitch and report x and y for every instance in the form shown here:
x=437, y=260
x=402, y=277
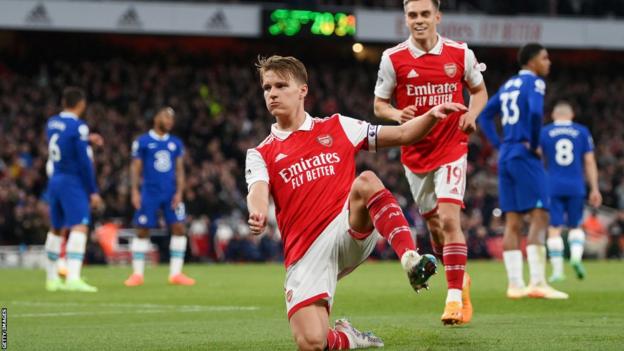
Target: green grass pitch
x=241, y=307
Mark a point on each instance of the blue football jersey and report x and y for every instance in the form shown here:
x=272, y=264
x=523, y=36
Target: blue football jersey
x=520, y=104
x=564, y=145
x=159, y=155
x=69, y=152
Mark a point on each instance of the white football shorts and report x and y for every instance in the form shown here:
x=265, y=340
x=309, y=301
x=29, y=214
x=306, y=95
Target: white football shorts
x=447, y=183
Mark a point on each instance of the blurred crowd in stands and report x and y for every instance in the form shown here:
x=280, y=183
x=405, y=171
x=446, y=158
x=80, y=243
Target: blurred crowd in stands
x=597, y=8
x=220, y=113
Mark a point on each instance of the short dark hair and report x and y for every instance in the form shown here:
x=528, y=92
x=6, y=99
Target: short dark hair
x=528, y=52
x=436, y=3
x=283, y=67
x=72, y=96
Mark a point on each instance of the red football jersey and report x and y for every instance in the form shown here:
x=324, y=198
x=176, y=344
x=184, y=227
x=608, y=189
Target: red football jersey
x=427, y=79
x=309, y=173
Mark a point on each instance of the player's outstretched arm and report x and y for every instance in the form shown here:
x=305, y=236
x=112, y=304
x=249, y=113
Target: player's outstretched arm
x=384, y=109
x=591, y=173
x=417, y=128
x=258, y=206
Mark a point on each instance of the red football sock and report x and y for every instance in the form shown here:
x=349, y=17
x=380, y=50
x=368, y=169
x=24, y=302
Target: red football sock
x=390, y=222
x=337, y=340
x=437, y=250
x=455, y=257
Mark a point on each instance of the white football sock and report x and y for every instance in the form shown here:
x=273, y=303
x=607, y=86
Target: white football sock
x=536, y=256
x=53, y=250
x=75, y=253
x=576, y=239
x=177, y=248
x=555, y=251
x=454, y=295
x=139, y=247
x=514, y=265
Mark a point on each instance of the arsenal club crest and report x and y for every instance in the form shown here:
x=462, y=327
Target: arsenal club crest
x=450, y=69
x=325, y=140
x=289, y=295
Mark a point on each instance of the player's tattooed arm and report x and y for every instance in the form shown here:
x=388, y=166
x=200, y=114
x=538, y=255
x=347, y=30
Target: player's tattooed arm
x=414, y=130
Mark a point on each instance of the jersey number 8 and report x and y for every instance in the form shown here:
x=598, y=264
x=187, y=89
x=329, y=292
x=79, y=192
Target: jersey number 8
x=564, y=155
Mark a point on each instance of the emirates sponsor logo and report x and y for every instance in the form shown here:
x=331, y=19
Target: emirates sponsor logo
x=431, y=89
x=309, y=169
x=325, y=140
x=432, y=94
x=450, y=69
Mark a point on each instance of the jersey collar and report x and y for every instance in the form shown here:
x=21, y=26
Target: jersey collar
x=67, y=114
x=562, y=123
x=283, y=134
x=436, y=50
x=526, y=71
x=153, y=134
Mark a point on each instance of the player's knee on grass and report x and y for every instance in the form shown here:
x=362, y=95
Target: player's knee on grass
x=310, y=341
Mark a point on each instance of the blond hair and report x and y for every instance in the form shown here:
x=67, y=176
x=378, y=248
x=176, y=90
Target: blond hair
x=284, y=67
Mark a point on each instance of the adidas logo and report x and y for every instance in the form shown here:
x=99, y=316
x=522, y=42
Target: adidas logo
x=412, y=74
x=280, y=157
x=38, y=15
x=218, y=21
x=130, y=18
x=455, y=191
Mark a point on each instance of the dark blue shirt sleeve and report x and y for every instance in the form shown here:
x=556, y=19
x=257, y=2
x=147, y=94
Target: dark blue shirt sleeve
x=486, y=120
x=85, y=162
x=542, y=139
x=536, y=110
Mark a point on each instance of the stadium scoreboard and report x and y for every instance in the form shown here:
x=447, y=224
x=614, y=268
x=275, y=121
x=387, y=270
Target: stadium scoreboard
x=306, y=23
